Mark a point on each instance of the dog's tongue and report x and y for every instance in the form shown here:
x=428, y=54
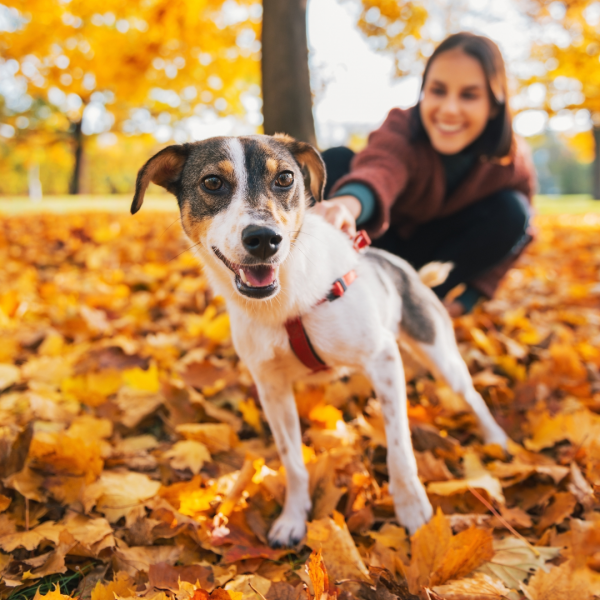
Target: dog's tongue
x=261, y=276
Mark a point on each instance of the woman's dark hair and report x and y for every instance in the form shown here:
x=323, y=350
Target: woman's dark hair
x=496, y=140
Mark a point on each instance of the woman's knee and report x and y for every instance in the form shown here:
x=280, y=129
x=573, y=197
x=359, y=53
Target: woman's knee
x=507, y=214
x=510, y=206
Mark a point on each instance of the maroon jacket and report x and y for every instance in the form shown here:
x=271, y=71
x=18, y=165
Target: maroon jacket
x=408, y=181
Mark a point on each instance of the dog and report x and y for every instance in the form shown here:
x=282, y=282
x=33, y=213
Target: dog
x=244, y=204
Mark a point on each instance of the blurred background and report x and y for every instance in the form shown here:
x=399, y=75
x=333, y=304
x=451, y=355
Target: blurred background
x=89, y=89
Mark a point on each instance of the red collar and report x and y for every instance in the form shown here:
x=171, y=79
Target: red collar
x=299, y=340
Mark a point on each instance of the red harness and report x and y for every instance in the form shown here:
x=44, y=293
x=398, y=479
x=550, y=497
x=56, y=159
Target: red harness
x=299, y=340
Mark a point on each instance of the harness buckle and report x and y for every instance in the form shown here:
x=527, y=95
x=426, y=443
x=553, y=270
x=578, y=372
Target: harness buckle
x=361, y=240
x=338, y=288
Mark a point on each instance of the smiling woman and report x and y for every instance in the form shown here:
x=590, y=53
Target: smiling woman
x=446, y=180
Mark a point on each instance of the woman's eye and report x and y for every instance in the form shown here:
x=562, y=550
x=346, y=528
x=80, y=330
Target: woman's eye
x=285, y=179
x=437, y=91
x=212, y=183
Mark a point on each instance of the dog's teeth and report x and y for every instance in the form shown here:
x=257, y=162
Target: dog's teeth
x=276, y=272
x=244, y=278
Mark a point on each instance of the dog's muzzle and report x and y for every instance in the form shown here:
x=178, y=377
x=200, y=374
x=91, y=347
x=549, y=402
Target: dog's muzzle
x=254, y=281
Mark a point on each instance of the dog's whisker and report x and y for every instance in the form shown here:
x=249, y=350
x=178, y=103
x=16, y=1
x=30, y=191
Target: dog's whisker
x=186, y=250
x=169, y=227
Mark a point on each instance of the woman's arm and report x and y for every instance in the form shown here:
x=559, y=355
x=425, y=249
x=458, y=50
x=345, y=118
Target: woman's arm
x=383, y=167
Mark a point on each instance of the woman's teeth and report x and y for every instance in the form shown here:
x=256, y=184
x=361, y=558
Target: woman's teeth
x=449, y=128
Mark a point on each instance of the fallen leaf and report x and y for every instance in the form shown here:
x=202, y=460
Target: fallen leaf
x=562, y=506
x=118, y=492
x=479, y=587
x=340, y=555
x=581, y=489
x=564, y=581
x=9, y=375
x=141, y=558
x=165, y=576
x=514, y=560
x=438, y=556
x=476, y=476
x=217, y=437
x=188, y=454
x=121, y=586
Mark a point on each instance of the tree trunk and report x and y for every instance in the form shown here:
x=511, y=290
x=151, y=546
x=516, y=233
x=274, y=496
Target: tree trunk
x=596, y=168
x=75, y=183
x=287, y=98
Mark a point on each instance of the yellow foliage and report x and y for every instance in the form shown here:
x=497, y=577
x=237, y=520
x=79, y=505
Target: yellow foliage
x=251, y=414
x=144, y=381
x=218, y=329
x=122, y=585
x=52, y=594
x=326, y=415
x=574, y=57
x=59, y=454
x=408, y=44
x=582, y=143
x=92, y=389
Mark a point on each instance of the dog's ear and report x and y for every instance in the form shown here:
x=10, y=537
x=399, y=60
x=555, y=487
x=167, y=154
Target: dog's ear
x=164, y=169
x=310, y=160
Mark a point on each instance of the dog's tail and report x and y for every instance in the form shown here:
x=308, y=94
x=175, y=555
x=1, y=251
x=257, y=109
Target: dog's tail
x=435, y=273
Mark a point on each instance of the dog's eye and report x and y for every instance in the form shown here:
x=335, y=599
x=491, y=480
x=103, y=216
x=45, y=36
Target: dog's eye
x=284, y=179
x=212, y=183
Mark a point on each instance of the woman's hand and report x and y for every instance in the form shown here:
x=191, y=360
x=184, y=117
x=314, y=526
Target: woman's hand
x=341, y=212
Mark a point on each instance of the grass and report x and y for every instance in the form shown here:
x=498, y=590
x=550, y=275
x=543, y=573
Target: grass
x=545, y=205
x=69, y=204
x=570, y=205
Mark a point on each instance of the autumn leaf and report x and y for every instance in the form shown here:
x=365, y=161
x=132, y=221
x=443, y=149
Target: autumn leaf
x=340, y=555
x=438, y=556
x=476, y=476
x=514, y=560
x=52, y=594
x=315, y=567
x=188, y=454
x=109, y=477
x=479, y=587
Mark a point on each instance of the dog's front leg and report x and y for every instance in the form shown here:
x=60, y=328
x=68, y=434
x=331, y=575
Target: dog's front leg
x=386, y=372
x=277, y=399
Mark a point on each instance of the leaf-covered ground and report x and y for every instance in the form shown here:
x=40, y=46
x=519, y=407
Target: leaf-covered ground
x=135, y=459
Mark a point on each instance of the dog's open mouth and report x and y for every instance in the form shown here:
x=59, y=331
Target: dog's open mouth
x=255, y=281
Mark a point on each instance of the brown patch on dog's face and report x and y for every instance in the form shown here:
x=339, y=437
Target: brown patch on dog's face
x=226, y=167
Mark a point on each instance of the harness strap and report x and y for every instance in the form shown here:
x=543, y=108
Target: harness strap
x=302, y=347
x=299, y=340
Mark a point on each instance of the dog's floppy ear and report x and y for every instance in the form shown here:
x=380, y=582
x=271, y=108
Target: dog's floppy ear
x=310, y=160
x=164, y=169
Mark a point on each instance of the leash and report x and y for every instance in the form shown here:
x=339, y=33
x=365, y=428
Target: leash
x=299, y=340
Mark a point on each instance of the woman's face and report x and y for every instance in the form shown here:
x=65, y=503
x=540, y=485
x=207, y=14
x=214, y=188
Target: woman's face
x=455, y=105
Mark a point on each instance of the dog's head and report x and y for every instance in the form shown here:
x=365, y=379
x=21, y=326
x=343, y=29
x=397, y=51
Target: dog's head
x=242, y=200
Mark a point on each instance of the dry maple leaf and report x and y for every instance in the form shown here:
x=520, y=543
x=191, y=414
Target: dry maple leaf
x=514, y=560
x=479, y=587
x=339, y=551
x=438, y=556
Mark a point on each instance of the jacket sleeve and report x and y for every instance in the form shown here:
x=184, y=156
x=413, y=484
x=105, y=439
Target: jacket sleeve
x=382, y=167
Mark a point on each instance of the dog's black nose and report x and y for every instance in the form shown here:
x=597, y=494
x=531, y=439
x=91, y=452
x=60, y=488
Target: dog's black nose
x=261, y=242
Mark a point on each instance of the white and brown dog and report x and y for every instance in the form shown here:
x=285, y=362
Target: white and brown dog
x=243, y=204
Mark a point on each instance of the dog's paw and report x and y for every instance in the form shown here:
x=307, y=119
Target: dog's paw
x=413, y=509
x=287, y=531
